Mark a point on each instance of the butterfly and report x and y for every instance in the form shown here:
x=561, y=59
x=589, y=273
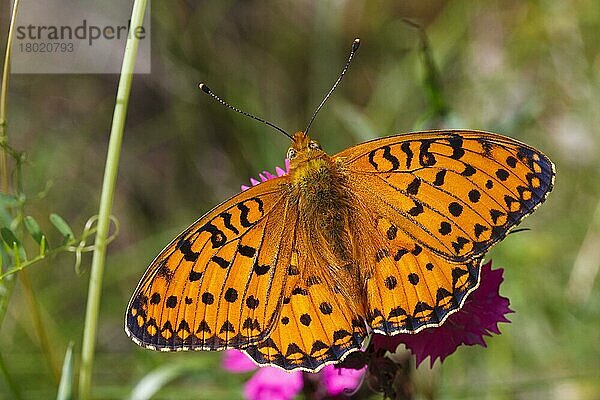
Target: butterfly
x=384, y=237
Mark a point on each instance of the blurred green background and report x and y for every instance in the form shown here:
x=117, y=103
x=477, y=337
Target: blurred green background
x=527, y=69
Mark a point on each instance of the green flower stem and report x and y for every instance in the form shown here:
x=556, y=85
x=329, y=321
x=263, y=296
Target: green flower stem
x=106, y=200
x=3, y=92
x=6, y=285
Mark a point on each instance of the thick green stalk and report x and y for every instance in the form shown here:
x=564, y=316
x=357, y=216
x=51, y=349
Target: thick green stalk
x=6, y=285
x=4, y=186
x=106, y=200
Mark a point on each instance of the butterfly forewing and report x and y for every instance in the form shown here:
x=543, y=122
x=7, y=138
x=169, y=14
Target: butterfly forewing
x=454, y=192
x=219, y=284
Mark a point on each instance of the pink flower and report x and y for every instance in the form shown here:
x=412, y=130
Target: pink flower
x=267, y=382
x=340, y=380
x=236, y=361
x=479, y=317
x=273, y=383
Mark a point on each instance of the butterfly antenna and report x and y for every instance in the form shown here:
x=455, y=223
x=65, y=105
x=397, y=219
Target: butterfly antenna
x=353, y=50
x=207, y=90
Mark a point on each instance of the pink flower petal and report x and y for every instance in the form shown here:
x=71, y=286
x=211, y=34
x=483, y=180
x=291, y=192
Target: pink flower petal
x=266, y=175
x=340, y=380
x=236, y=361
x=479, y=317
x=273, y=383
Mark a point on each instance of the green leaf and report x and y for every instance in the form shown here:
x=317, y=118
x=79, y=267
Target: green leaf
x=34, y=229
x=65, y=388
x=9, y=237
x=62, y=226
x=13, y=246
x=157, y=379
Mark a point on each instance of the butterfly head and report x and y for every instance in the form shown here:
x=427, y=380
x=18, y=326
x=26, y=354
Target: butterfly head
x=303, y=150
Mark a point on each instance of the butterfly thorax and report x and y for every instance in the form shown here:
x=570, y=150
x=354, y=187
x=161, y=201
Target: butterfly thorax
x=319, y=186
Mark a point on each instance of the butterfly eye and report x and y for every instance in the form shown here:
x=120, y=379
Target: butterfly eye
x=314, y=145
x=291, y=154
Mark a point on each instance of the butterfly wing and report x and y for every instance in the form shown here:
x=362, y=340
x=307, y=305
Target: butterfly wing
x=220, y=283
x=409, y=288
x=453, y=192
x=435, y=203
x=316, y=325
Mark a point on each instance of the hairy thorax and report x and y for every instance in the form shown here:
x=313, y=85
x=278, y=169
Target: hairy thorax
x=327, y=212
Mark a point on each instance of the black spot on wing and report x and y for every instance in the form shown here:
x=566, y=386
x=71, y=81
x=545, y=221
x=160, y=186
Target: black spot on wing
x=426, y=158
x=391, y=282
x=305, y=319
x=417, y=209
x=246, y=251
x=325, y=308
x=194, y=276
x=469, y=170
x=231, y=295
x=413, y=187
x=261, y=269
x=390, y=157
x=252, y=302
x=502, y=174
x=227, y=222
x=399, y=254
x=456, y=142
x=221, y=262
x=155, y=298
x=392, y=232
x=417, y=250
x=455, y=209
x=217, y=237
x=405, y=147
x=207, y=298
x=185, y=247
x=171, y=302
x=439, y=178
x=445, y=228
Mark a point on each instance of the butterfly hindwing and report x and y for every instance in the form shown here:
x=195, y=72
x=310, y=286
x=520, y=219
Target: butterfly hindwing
x=454, y=192
x=412, y=288
x=316, y=325
x=219, y=284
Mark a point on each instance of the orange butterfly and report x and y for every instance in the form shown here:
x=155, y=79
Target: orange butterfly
x=386, y=236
